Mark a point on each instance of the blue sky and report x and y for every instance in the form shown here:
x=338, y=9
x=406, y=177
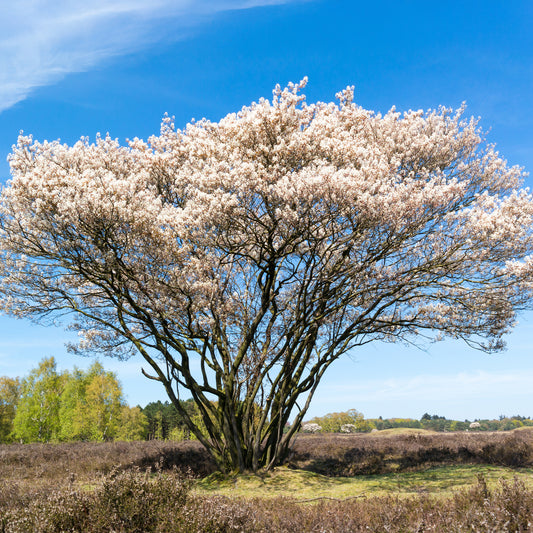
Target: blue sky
x=70, y=69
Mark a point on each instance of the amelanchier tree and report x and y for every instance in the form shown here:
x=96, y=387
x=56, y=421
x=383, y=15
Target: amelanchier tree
x=242, y=258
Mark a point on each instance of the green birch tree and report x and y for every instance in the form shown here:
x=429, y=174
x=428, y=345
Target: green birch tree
x=133, y=424
x=37, y=416
x=92, y=405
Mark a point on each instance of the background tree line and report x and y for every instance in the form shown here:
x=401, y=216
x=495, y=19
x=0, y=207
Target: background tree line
x=81, y=405
x=48, y=405
x=354, y=421
x=88, y=405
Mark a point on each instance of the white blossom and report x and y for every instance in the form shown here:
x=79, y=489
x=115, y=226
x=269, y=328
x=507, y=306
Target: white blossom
x=311, y=427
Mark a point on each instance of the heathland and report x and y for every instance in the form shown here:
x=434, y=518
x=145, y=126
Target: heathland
x=391, y=480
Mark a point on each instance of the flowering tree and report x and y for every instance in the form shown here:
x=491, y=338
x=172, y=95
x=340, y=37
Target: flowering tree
x=241, y=258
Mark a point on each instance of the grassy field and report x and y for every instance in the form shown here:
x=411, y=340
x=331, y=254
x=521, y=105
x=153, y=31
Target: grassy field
x=305, y=485
x=396, y=481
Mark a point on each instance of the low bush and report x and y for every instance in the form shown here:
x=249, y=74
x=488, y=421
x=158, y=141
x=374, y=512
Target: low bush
x=349, y=455
x=146, y=486
x=81, y=460
x=133, y=502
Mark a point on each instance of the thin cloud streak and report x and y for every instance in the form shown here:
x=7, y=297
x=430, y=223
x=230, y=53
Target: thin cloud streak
x=465, y=385
x=42, y=41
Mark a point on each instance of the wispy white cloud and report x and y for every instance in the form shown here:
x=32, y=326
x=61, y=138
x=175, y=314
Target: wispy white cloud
x=41, y=41
x=466, y=385
x=473, y=394
x=471, y=383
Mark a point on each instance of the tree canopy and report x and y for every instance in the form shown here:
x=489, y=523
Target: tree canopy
x=48, y=405
x=242, y=257
x=9, y=398
x=37, y=413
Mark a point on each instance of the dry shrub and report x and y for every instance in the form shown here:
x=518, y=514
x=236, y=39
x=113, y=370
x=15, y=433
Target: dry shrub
x=508, y=509
x=134, y=502
x=56, y=462
x=328, y=454
x=140, y=487
x=131, y=502
x=349, y=455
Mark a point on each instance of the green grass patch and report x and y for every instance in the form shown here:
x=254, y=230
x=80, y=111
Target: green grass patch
x=303, y=485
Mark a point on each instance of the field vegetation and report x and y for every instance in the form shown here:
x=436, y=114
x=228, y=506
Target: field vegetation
x=384, y=481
